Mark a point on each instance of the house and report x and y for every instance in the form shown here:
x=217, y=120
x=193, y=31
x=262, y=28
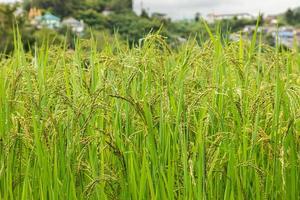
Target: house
x=47, y=21
x=285, y=36
x=284, y=33
x=267, y=30
x=75, y=25
x=33, y=14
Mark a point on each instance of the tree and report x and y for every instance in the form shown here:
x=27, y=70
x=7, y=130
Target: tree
x=92, y=18
x=8, y=25
x=297, y=17
x=144, y=14
x=7, y=21
x=65, y=8
x=289, y=16
x=122, y=23
x=197, y=16
x=61, y=8
x=119, y=5
x=27, y=4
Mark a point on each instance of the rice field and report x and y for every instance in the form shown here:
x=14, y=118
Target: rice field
x=216, y=120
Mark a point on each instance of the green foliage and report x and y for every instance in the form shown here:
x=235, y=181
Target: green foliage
x=188, y=29
x=145, y=14
x=216, y=121
x=197, y=17
x=133, y=32
x=8, y=24
x=119, y=5
x=120, y=23
x=49, y=36
x=92, y=18
x=6, y=27
x=61, y=8
x=238, y=24
x=292, y=17
x=70, y=7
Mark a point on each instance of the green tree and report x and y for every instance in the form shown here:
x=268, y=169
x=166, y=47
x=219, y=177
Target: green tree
x=123, y=24
x=119, y=5
x=92, y=18
x=70, y=7
x=7, y=21
x=197, y=16
x=8, y=25
x=289, y=16
x=144, y=14
x=59, y=7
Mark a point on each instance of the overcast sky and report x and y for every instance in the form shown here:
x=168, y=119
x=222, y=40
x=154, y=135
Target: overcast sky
x=179, y=9
x=187, y=8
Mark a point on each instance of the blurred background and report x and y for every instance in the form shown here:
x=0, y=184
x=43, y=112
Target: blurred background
x=130, y=20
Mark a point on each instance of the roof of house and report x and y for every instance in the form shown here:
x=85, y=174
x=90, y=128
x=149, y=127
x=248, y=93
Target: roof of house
x=49, y=16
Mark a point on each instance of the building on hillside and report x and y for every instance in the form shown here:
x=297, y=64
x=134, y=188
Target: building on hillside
x=47, y=21
x=285, y=36
x=250, y=29
x=75, y=25
x=286, y=31
x=211, y=18
x=33, y=14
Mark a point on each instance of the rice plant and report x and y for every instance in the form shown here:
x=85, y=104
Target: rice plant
x=216, y=120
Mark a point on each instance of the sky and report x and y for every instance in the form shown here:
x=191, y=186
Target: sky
x=181, y=9
x=178, y=9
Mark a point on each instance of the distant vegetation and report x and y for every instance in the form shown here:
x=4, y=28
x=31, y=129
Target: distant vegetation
x=121, y=20
x=114, y=17
x=292, y=17
x=65, y=8
x=111, y=17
